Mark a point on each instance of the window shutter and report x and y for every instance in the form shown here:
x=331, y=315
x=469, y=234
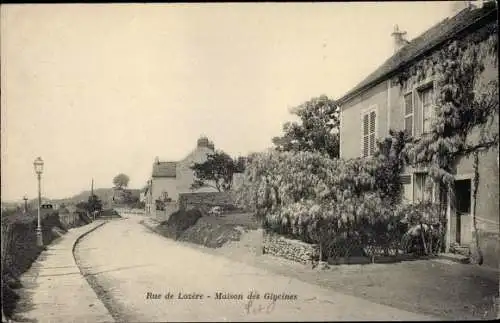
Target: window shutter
x=365, y=135
x=408, y=101
x=405, y=179
x=409, y=125
x=372, y=121
x=365, y=146
x=408, y=104
x=365, y=125
x=372, y=143
x=372, y=132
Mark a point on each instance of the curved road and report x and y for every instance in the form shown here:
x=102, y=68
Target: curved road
x=125, y=261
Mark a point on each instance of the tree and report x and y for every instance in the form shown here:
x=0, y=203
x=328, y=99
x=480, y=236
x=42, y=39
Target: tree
x=317, y=130
x=121, y=180
x=94, y=204
x=391, y=154
x=217, y=172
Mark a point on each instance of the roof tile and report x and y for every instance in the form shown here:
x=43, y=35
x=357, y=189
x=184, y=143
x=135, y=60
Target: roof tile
x=164, y=169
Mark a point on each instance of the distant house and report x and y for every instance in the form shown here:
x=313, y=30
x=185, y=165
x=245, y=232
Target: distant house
x=169, y=178
x=47, y=204
x=381, y=102
x=142, y=195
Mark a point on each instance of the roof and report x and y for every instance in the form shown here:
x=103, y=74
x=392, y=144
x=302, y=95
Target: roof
x=423, y=44
x=164, y=169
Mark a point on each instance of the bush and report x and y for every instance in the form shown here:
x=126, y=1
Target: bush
x=179, y=222
x=345, y=206
x=425, y=227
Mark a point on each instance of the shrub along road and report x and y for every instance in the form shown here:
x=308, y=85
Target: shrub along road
x=141, y=276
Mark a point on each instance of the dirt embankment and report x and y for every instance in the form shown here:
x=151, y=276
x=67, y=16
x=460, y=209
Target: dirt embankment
x=209, y=231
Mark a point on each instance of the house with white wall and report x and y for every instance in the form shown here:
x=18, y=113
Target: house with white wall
x=170, y=178
x=382, y=102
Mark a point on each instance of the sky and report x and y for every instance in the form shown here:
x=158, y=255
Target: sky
x=102, y=89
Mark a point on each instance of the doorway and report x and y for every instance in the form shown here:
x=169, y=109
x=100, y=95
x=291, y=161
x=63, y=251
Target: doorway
x=462, y=208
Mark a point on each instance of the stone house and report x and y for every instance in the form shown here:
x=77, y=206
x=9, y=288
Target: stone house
x=170, y=178
x=382, y=102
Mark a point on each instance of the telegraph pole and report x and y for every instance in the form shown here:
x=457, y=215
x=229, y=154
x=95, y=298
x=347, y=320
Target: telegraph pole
x=92, y=197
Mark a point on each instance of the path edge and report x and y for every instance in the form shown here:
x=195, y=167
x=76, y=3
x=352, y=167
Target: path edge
x=82, y=274
x=80, y=238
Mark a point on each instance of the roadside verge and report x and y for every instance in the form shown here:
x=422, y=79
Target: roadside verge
x=55, y=279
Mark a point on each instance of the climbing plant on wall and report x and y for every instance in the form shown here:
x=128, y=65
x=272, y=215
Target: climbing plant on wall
x=466, y=104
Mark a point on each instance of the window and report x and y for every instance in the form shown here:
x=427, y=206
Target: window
x=369, y=130
x=422, y=188
x=427, y=99
x=408, y=101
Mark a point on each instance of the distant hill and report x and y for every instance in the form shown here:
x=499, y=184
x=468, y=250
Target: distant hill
x=104, y=194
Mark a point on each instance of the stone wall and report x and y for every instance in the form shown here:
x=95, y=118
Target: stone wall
x=170, y=208
x=294, y=250
x=204, y=200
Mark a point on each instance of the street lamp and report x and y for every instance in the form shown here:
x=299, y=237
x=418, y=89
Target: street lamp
x=25, y=204
x=38, y=164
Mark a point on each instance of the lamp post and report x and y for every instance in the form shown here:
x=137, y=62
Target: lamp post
x=25, y=204
x=38, y=164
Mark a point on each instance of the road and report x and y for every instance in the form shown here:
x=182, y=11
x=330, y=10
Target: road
x=141, y=276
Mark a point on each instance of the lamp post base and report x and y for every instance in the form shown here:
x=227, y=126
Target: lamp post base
x=39, y=237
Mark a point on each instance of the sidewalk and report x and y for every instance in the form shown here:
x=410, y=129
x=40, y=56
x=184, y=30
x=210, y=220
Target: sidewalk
x=54, y=290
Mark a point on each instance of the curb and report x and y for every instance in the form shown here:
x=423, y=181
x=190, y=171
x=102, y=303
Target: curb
x=80, y=270
x=80, y=237
x=147, y=226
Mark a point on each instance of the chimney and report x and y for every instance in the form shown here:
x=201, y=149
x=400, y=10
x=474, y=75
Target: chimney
x=202, y=142
x=457, y=6
x=157, y=160
x=399, y=38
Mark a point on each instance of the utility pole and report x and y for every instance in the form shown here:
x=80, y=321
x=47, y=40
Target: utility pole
x=25, y=204
x=92, y=197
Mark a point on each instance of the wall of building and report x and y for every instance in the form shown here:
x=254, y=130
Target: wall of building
x=351, y=113
x=487, y=205
x=170, y=208
x=238, y=179
x=185, y=175
x=395, y=106
x=163, y=184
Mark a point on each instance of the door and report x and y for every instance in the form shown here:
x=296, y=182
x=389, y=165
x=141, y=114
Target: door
x=463, y=210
